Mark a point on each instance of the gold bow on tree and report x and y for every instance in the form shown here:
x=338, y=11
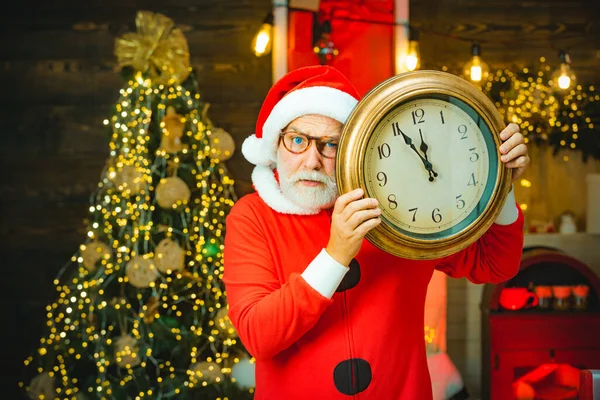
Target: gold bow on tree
x=156, y=49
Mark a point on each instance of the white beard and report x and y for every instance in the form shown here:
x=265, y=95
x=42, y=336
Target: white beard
x=317, y=197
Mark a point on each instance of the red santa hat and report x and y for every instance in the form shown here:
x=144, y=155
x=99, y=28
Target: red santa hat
x=321, y=90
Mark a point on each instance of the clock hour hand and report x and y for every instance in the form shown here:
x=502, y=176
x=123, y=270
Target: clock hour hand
x=424, y=149
x=426, y=163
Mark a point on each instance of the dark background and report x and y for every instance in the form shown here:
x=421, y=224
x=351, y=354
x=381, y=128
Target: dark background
x=59, y=82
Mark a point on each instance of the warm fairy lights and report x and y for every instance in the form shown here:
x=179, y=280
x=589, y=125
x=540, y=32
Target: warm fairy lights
x=126, y=311
x=545, y=113
x=429, y=334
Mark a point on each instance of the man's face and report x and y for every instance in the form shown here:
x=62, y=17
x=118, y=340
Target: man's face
x=308, y=178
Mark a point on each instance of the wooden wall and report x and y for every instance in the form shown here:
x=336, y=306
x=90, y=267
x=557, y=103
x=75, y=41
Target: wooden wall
x=511, y=32
x=58, y=83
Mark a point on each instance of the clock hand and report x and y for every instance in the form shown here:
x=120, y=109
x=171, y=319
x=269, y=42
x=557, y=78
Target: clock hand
x=426, y=163
x=424, y=149
x=424, y=146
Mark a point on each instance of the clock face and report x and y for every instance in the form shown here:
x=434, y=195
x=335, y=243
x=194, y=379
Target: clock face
x=433, y=165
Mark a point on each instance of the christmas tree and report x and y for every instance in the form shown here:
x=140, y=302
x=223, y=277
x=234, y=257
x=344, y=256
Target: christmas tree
x=141, y=309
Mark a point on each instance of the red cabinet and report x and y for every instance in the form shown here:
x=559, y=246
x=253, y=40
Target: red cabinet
x=519, y=343
x=515, y=343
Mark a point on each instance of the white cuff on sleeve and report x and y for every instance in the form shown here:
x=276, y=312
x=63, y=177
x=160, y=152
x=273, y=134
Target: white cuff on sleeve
x=509, y=212
x=324, y=274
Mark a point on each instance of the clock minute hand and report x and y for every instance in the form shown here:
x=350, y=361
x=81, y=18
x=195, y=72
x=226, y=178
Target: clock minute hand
x=423, y=146
x=424, y=149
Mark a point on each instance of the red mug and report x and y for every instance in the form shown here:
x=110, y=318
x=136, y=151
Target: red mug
x=517, y=298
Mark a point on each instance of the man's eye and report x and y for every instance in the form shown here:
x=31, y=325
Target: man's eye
x=331, y=145
x=298, y=140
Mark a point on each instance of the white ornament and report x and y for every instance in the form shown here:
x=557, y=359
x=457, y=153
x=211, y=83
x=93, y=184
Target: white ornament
x=567, y=223
x=223, y=143
x=141, y=272
x=42, y=387
x=172, y=192
x=93, y=252
x=446, y=381
x=169, y=256
x=244, y=373
x=129, y=178
x=127, y=352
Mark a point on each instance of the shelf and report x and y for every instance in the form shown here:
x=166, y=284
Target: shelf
x=545, y=314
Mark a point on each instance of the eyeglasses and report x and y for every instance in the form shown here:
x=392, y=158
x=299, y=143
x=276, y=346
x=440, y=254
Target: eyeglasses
x=298, y=143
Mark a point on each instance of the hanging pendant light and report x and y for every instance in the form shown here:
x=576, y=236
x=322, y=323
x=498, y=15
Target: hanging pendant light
x=263, y=40
x=412, y=60
x=563, y=77
x=476, y=69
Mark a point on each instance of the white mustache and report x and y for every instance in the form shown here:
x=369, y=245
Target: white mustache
x=311, y=176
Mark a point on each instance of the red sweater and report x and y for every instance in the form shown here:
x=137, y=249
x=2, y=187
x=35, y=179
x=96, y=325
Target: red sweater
x=367, y=341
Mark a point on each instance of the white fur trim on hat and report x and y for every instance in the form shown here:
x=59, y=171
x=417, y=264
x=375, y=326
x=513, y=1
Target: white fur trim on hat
x=268, y=189
x=321, y=100
x=251, y=149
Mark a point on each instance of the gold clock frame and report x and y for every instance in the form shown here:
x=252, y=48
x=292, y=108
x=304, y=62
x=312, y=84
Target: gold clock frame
x=359, y=127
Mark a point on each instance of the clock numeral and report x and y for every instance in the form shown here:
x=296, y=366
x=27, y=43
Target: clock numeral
x=462, y=129
x=392, y=200
x=384, y=151
x=417, y=116
x=472, y=181
x=436, y=216
x=474, y=156
x=414, y=211
x=382, y=178
x=442, y=116
x=396, y=129
x=460, y=203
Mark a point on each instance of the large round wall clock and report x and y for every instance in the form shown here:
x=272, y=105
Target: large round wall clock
x=425, y=145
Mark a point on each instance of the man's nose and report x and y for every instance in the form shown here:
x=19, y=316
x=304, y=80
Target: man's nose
x=313, y=159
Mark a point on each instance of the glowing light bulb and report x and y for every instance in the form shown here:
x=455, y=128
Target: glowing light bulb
x=564, y=82
x=263, y=40
x=476, y=69
x=412, y=61
x=412, y=57
x=564, y=77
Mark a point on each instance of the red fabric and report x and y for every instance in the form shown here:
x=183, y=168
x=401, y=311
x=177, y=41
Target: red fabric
x=299, y=337
x=362, y=33
x=313, y=76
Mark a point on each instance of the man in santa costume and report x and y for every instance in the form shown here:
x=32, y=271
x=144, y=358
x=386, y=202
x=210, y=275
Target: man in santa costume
x=326, y=314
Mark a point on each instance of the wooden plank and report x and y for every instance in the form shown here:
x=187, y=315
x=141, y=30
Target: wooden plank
x=79, y=130
x=65, y=14
x=436, y=53
x=220, y=31
x=222, y=39
x=224, y=81
x=37, y=185
x=512, y=33
x=48, y=227
x=41, y=6
x=53, y=178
